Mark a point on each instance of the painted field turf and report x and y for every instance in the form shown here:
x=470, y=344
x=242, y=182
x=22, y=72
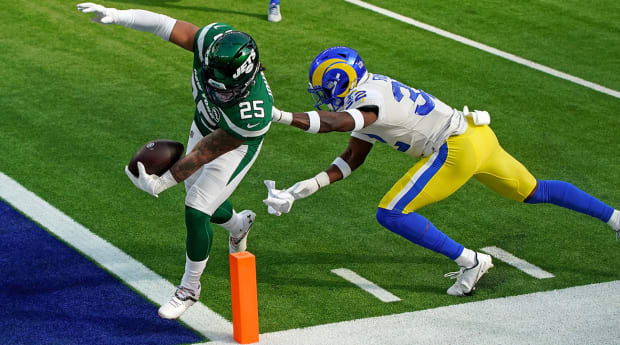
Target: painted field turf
x=78, y=99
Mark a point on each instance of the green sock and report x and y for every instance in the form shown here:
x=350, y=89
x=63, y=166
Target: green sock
x=199, y=234
x=223, y=213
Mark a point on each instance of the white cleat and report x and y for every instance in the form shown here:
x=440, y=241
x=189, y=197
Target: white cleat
x=183, y=298
x=240, y=243
x=274, y=15
x=466, y=278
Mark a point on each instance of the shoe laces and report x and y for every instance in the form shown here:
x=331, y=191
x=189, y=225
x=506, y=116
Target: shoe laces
x=183, y=294
x=458, y=274
x=455, y=275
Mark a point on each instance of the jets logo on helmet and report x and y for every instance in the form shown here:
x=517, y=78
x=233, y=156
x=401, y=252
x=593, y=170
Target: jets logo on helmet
x=247, y=67
x=231, y=64
x=333, y=74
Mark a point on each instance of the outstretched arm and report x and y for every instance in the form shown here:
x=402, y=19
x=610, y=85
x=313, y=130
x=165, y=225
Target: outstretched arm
x=327, y=121
x=176, y=31
x=341, y=168
x=281, y=201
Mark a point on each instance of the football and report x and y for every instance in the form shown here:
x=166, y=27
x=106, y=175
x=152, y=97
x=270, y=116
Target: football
x=157, y=156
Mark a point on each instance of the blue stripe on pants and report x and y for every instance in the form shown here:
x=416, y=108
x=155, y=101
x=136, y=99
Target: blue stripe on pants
x=423, y=180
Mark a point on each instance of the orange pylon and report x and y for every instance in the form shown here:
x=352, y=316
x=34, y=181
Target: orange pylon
x=244, y=297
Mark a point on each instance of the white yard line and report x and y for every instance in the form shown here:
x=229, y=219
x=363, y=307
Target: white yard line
x=148, y=283
x=520, y=264
x=486, y=48
x=366, y=285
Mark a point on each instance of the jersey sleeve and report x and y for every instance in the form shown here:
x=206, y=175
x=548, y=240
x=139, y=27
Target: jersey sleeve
x=364, y=97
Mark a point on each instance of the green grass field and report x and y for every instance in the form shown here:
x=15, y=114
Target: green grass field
x=78, y=99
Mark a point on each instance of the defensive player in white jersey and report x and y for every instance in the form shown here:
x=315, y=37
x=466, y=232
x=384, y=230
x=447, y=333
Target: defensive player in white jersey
x=452, y=146
x=231, y=117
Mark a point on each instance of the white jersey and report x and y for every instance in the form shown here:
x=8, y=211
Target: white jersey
x=409, y=120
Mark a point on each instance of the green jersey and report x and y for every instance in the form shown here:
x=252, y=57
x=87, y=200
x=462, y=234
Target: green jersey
x=250, y=118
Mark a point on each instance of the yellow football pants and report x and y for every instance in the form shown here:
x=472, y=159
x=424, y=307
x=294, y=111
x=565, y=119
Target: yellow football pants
x=474, y=153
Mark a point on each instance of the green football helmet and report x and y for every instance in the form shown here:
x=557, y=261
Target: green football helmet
x=231, y=64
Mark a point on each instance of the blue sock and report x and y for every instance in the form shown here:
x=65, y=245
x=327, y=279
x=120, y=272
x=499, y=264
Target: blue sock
x=420, y=231
x=564, y=194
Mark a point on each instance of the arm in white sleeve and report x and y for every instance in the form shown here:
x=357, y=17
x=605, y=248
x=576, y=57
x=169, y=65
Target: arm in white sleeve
x=141, y=20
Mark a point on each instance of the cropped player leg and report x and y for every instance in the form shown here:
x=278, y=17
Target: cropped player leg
x=197, y=245
x=430, y=180
x=209, y=188
x=237, y=224
x=420, y=231
x=566, y=195
x=509, y=178
x=224, y=213
x=500, y=171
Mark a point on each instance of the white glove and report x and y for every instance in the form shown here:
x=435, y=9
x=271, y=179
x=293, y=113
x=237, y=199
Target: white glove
x=480, y=117
x=151, y=184
x=278, y=201
x=103, y=15
x=304, y=188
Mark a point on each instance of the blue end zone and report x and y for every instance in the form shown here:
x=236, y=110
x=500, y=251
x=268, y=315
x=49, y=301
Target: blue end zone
x=51, y=294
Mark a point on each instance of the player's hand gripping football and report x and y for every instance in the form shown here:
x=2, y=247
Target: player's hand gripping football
x=151, y=184
x=103, y=15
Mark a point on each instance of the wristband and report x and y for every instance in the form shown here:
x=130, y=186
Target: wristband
x=164, y=182
x=357, y=117
x=285, y=118
x=315, y=122
x=344, y=167
x=322, y=179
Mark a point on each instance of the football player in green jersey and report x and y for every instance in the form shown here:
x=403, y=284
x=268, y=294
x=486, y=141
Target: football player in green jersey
x=232, y=115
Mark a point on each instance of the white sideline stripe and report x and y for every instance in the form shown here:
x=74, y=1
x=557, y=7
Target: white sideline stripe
x=486, y=48
x=366, y=285
x=578, y=315
x=135, y=274
x=521, y=264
